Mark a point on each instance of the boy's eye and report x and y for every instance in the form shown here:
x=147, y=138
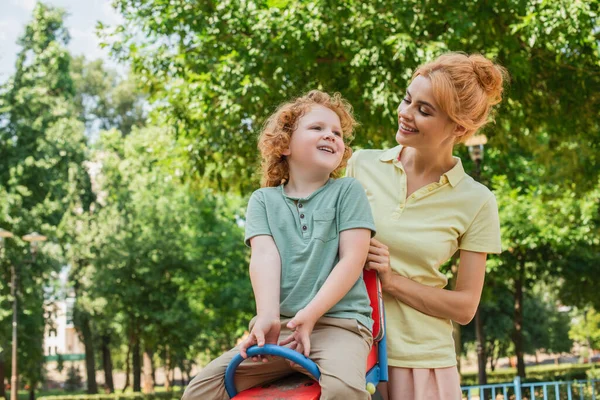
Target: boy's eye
x=406, y=100
x=336, y=133
x=318, y=128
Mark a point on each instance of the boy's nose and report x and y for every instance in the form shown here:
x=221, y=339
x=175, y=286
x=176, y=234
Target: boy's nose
x=328, y=135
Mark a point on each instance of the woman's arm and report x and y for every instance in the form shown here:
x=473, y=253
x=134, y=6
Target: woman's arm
x=459, y=305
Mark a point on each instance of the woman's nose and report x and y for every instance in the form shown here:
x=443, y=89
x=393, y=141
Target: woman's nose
x=403, y=113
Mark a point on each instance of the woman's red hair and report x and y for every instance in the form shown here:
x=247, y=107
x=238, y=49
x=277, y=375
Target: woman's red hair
x=466, y=87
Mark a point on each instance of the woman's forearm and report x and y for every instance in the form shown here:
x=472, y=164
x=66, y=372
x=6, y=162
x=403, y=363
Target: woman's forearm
x=455, y=305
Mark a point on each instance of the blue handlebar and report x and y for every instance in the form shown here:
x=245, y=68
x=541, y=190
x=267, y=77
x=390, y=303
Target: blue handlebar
x=271, y=350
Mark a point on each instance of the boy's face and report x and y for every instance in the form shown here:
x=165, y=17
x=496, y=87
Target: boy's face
x=316, y=144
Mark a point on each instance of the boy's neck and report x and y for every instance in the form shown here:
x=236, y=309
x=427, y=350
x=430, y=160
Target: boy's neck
x=303, y=186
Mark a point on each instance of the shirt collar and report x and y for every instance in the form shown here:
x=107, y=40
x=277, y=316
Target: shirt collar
x=454, y=175
x=391, y=154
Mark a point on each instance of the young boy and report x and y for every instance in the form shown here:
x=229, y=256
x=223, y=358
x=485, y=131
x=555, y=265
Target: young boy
x=309, y=236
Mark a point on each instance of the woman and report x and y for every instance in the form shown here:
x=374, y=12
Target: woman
x=425, y=209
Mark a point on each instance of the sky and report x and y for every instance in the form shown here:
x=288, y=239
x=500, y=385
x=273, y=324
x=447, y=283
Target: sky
x=81, y=19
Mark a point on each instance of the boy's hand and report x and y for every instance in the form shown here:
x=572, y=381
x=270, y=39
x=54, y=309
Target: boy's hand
x=265, y=331
x=302, y=326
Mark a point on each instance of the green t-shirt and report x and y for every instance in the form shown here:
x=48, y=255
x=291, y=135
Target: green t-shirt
x=307, y=234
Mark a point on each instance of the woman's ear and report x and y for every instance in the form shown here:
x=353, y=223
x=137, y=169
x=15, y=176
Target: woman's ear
x=286, y=152
x=459, y=131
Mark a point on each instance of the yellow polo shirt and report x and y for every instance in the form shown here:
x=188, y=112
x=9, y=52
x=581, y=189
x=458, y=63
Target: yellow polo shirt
x=422, y=232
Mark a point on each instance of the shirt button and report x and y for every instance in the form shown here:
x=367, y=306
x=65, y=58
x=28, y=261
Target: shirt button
x=299, y=205
x=301, y=215
x=304, y=227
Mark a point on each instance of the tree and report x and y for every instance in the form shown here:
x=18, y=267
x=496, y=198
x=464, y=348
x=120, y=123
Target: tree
x=42, y=149
x=586, y=330
x=106, y=100
x=543, y=228
x=166, y=259
x=214, y=72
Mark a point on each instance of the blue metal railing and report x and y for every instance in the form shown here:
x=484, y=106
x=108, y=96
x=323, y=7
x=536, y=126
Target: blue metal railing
x=572, y=390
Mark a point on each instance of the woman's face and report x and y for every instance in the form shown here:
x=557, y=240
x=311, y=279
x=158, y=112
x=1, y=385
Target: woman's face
x=421, y=122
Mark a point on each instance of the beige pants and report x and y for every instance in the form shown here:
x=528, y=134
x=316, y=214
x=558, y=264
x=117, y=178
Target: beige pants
x=339, y=347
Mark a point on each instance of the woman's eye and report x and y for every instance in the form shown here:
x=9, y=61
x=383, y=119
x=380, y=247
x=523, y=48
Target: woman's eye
x=423, y=112
x=406, y=100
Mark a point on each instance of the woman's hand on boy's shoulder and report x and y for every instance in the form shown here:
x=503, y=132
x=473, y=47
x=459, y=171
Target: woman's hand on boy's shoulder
x=265, y=331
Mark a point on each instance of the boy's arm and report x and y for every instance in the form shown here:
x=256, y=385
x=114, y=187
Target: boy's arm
x=354, y=247
x=265, y=273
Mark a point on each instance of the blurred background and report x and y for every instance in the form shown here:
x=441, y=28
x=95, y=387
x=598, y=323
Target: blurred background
x=128, y=151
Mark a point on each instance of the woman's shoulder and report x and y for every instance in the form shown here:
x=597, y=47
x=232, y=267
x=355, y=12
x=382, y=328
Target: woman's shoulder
x=367, y=154
x=468, y=183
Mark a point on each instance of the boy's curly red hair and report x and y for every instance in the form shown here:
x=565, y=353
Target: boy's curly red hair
x=278, y=129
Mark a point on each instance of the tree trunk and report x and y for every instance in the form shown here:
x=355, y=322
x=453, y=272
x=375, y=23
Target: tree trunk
x=517, y=335
x=153, y=368
x=490, y=353
x=167, y=370
x=481, y=358
x=88, y=343
x=148, y=377
x=2, y=375
x=107, y=364
x=127, y=366
x=136, y=362
x=32, y=392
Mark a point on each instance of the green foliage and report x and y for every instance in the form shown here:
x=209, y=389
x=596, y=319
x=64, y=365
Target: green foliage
x=586, y=329
x=105, y=98
x=215, y=71
x=42, y=150
x=168, y=261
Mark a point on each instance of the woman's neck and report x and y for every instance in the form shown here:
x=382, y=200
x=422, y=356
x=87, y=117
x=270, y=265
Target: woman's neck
x=424, y=162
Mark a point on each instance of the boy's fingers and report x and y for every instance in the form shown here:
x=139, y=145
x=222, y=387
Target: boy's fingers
x=292, y=324
x=306, y=345
x=287, y=340
x=260, y=339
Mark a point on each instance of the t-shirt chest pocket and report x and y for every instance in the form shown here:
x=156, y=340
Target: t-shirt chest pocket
x=325, y=228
